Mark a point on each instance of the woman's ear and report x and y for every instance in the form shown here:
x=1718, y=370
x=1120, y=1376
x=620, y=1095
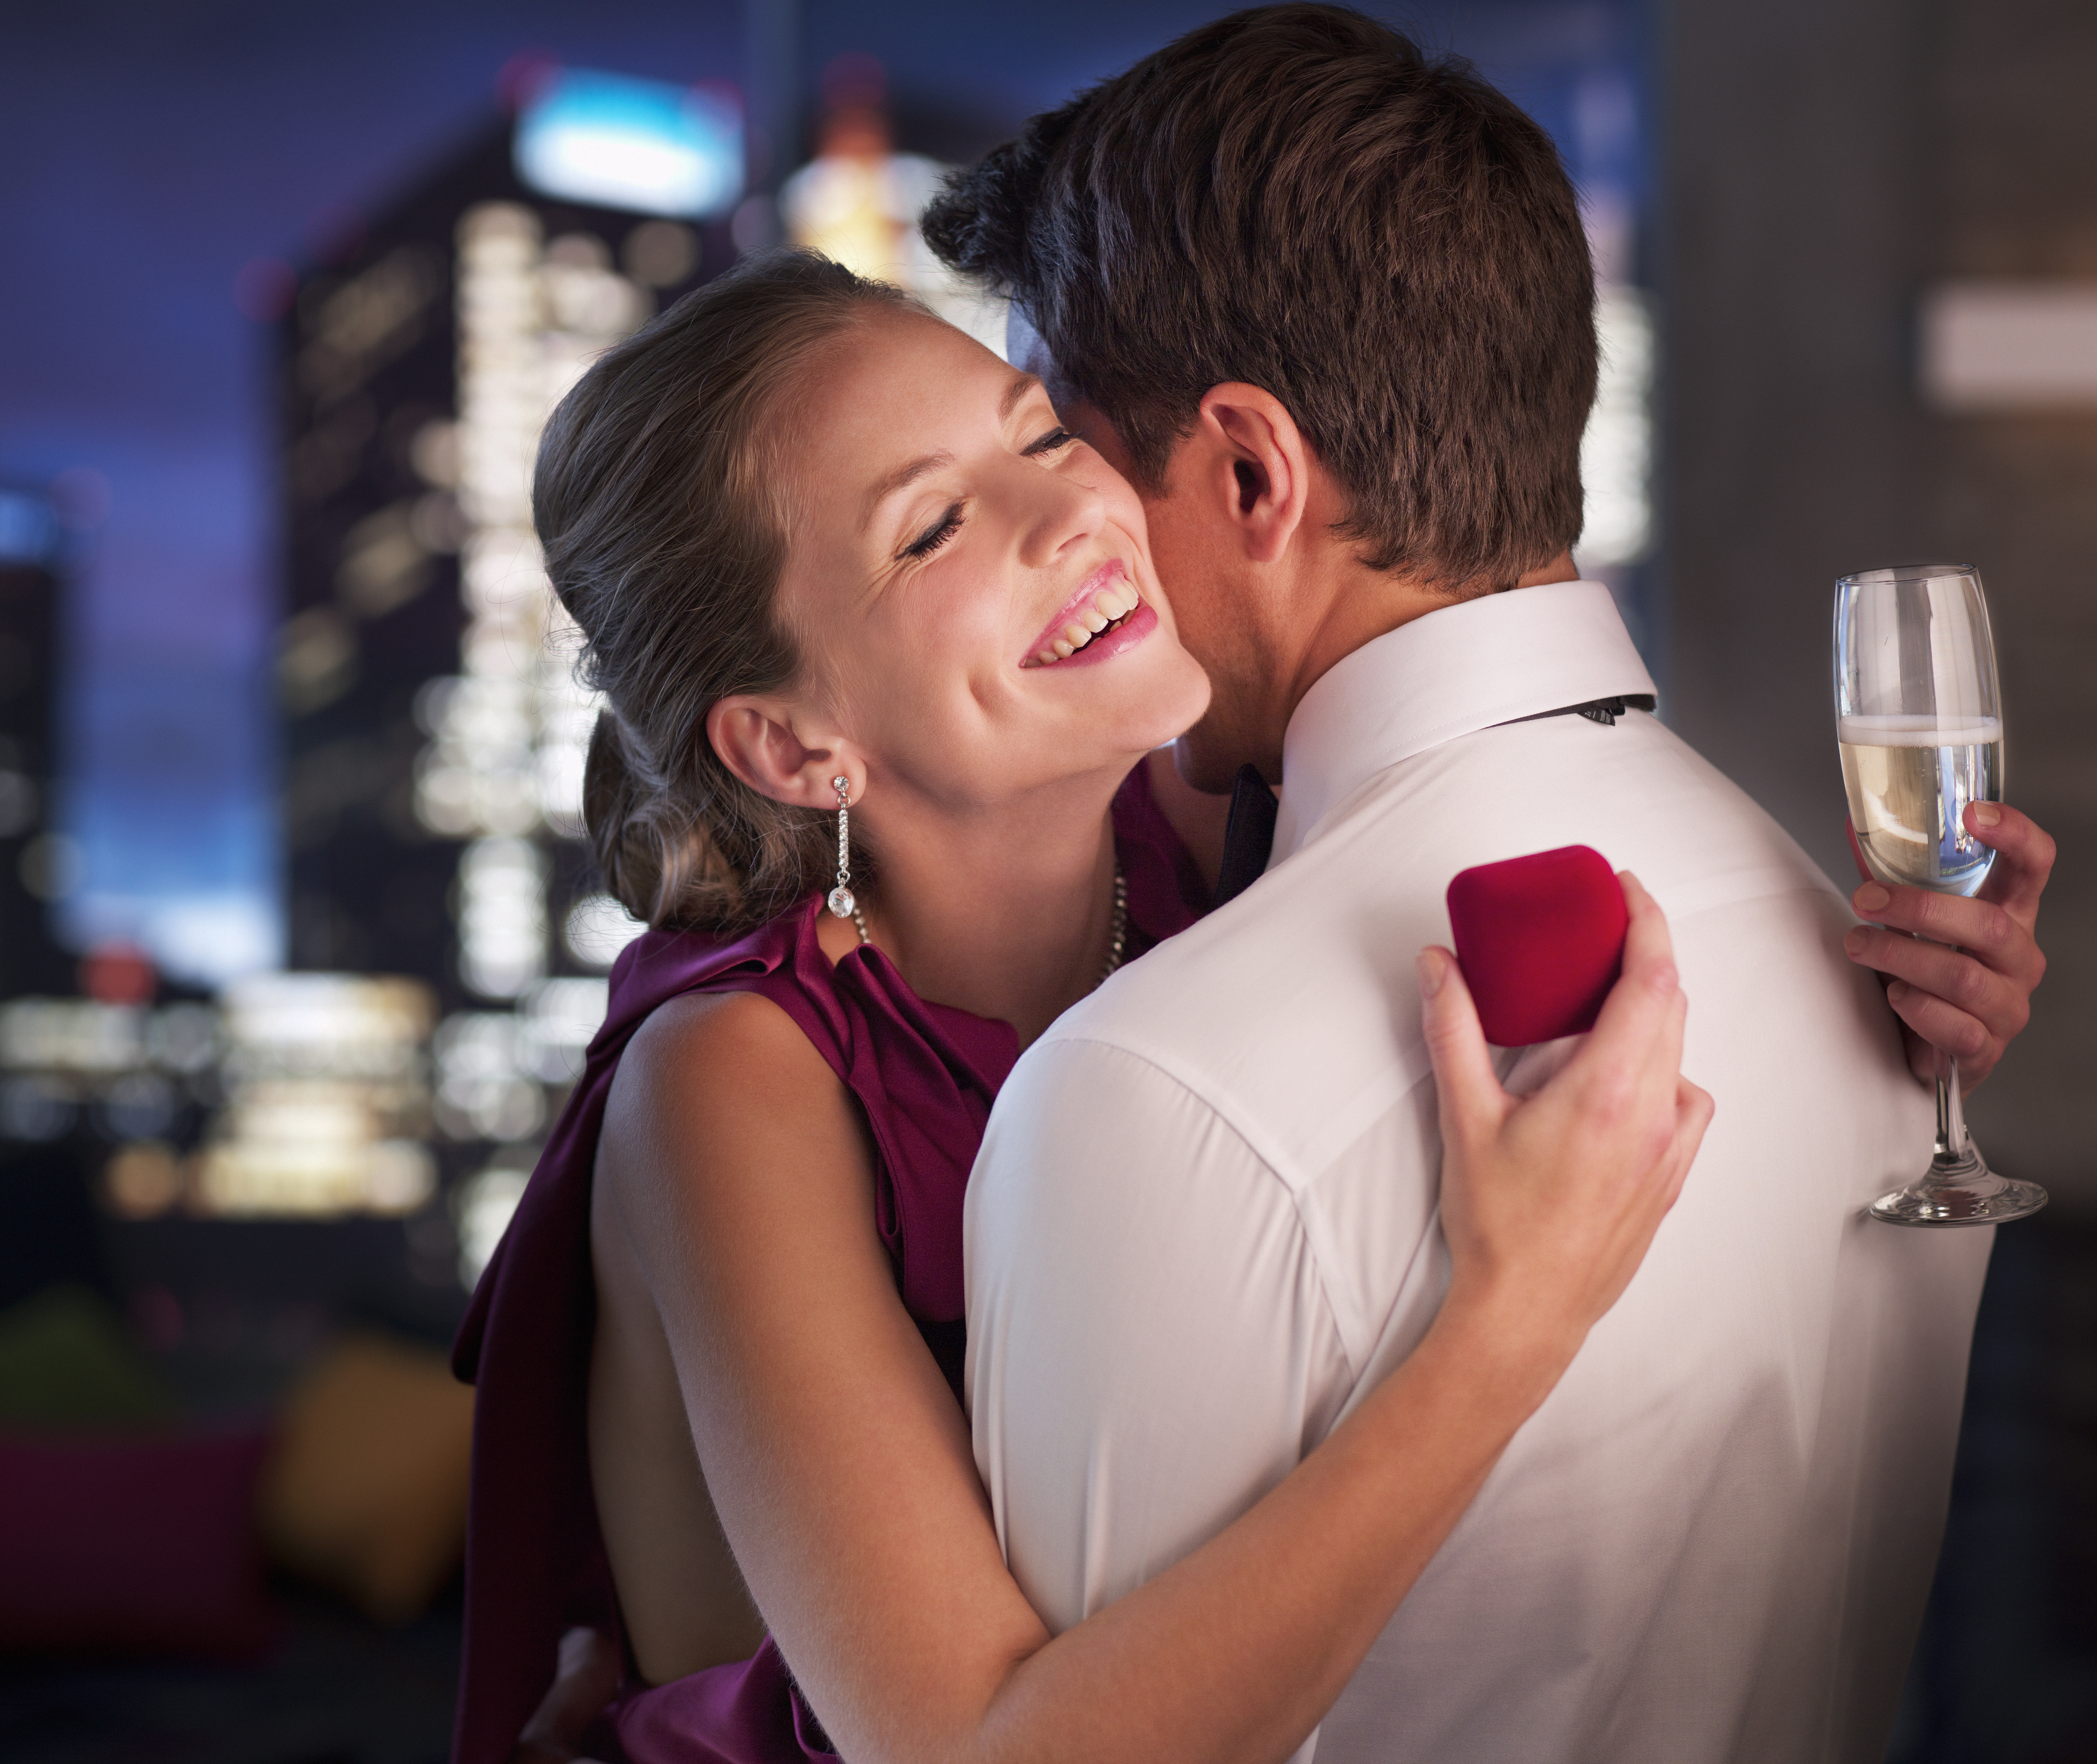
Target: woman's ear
x=756, y=740
x=1259, y=466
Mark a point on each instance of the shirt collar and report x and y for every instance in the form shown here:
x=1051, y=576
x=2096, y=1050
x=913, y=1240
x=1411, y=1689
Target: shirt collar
x=1452, y=672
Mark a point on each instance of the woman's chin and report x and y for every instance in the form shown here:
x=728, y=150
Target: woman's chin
x=1164, y=705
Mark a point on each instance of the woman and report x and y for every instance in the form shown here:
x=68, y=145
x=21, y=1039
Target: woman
x=833, y=559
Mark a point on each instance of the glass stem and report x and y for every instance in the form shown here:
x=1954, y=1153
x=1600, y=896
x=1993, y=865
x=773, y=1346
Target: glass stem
x=1950, y=1114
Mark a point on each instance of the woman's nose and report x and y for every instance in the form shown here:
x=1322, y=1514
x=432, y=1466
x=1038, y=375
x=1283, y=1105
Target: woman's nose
x=1067, y=512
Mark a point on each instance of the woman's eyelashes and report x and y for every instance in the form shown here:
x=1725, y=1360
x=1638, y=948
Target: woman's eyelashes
x=936, y=534
x=950, y=523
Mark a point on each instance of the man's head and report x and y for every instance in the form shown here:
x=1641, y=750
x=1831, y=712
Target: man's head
x=1295, y=201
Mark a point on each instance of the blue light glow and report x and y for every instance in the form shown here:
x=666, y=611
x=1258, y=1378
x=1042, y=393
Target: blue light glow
x=28, y=533
x=637, y=144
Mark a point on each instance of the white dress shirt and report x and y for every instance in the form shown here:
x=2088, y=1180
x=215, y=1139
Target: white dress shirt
x=1203, y=1224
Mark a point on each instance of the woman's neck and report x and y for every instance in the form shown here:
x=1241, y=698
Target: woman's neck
x=1007, y=913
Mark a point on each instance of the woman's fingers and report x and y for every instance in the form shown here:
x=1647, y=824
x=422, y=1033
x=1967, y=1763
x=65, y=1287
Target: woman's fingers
x=1549, y=1202
x=1647, y=1000
x=585, y=1679
x=1693, y=1109
x=1472, y=1098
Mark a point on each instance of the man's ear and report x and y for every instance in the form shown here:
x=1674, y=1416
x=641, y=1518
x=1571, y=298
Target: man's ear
x=757, y=740
x=1258, y=465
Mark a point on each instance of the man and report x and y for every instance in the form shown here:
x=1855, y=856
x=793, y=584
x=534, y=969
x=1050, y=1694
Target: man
x=1328, y=304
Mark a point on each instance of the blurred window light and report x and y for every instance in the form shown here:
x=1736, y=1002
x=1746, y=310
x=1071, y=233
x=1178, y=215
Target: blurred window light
x=19, y=803
x=326, y=1025
x=2010, y=346
x=117, y=972
x=562, y=1018
x=641, y=145
x=50, y=867
x=203, y=938
x=29, y=528
x=183, y=1037
x=501, y=916
x=598, y=929
x=485, y=1089
x=314, y=1175
x=1616, y=454
x=482, y=1206
x=139, y=1105
x=328, y=1097
x=859, y=201
x=71, y=1035
x=142, y=1181
x=35, y=1109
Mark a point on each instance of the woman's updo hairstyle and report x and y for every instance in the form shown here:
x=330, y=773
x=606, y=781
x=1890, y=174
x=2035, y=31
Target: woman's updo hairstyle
x=657, y=500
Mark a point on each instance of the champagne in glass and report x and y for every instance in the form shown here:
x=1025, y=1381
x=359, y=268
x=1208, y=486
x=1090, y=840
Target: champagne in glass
x=1919, y=718
x=1909, y=780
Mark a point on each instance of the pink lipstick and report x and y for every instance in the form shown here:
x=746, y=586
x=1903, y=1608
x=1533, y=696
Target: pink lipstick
x=1104, y=618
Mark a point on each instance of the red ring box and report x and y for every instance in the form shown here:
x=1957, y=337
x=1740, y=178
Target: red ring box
x=1541, y=940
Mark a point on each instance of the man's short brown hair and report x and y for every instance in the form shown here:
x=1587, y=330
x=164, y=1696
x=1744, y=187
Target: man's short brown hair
x=1298, y=198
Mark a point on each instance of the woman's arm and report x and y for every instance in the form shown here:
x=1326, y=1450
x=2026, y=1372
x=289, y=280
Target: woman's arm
x=842, y=1469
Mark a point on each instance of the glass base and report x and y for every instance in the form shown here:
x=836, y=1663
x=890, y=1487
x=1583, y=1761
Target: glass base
x=1959, y=1191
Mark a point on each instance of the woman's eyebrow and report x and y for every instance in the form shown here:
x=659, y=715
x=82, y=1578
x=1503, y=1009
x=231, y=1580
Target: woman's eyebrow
x=1017, y=390
x=905, y=475
x=901, y=478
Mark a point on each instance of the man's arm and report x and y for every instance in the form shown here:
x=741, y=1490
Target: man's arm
x=1961, y=972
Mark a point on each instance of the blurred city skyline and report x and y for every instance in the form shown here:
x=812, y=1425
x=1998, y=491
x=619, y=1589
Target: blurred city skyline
x=158, y=152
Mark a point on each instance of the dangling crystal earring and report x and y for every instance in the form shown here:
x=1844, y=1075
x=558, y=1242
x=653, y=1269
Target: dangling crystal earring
x=841, y=902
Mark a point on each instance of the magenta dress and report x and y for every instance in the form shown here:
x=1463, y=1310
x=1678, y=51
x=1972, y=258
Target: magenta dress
x=926, y=1076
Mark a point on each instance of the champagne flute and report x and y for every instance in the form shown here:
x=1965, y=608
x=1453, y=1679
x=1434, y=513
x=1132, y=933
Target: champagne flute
x=1918, y=717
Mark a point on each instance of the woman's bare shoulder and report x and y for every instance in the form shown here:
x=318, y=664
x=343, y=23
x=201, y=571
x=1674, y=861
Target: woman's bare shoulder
x=717, y=1074
x=702, y=1033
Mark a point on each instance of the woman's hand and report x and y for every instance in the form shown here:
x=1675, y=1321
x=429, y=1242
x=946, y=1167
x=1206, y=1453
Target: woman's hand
x=585, y=1680
x=1959, y=973
x=1549, y=1201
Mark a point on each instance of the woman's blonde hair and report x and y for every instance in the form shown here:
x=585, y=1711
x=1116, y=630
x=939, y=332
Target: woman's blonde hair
x=658, y=502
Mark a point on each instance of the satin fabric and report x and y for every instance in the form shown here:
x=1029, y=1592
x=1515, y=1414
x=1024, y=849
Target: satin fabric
x=924, y=1075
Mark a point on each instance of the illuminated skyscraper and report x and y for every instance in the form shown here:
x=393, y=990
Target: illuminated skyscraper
x=31, y=853
x=435, y=736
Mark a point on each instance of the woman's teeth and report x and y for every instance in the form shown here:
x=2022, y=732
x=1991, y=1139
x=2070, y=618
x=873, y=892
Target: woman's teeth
x=1102, y=610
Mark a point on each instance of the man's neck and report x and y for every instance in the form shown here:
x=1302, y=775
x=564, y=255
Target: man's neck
x=1359, y=611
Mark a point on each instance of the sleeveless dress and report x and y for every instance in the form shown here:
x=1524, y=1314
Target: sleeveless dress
x=925, y=1076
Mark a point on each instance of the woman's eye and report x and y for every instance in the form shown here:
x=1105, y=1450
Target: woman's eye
x=936, y=534
x=1049, y=443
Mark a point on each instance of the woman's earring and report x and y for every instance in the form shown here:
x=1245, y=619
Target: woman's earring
x=841, y=903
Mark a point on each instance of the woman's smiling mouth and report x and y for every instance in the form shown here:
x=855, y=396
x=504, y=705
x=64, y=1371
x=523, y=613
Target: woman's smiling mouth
x=1106, y=602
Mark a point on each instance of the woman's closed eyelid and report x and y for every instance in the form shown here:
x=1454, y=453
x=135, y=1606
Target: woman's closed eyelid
x=935, y=535
x=941, y=531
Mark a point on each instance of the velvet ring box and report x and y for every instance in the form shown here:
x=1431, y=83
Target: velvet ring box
x=1541, y=940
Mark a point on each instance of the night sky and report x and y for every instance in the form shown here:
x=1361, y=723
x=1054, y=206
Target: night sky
x=149, y=149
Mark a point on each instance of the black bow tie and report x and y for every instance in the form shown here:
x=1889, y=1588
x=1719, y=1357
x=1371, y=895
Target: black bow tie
x=1249, y=834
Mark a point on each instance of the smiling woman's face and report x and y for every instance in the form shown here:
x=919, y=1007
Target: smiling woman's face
x=970, y=588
